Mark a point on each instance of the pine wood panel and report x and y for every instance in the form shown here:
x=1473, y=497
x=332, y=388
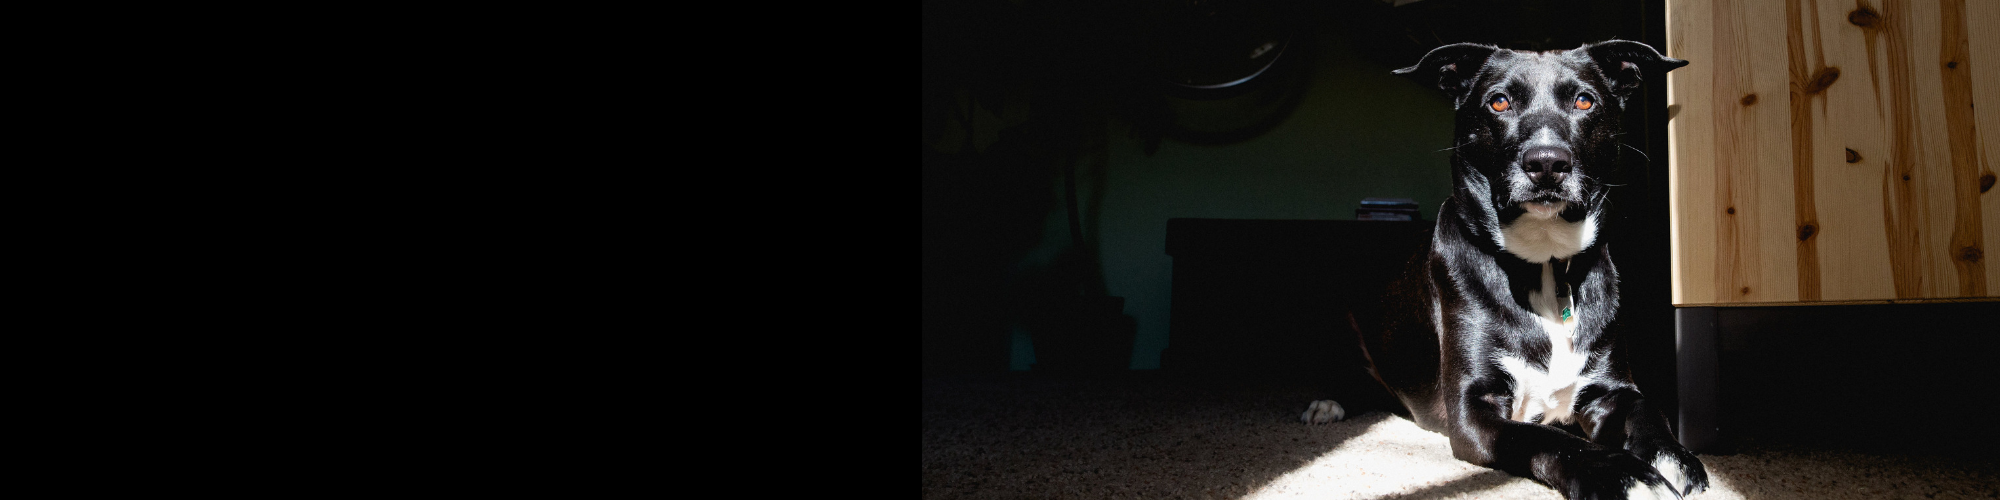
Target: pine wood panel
x=1833, y=150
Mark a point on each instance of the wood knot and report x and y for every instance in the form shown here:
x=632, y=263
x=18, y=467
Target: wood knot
x=1865, y=17
x=1732, y=210
x=1806, y=231
x=1971, y=255
x=1821, y=80
x=1985, y=183
x=1952, y=65
x=1746, y=290
x=1853, y=157
x=1749, y=99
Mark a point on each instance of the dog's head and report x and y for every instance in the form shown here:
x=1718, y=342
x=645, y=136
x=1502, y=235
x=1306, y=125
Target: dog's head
x=1537, y=131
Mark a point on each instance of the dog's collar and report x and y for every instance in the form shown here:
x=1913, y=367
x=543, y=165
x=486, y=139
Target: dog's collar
x=1569, y=312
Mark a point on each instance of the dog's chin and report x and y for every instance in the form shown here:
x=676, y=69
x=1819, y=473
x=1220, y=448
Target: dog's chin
x=1544, y=208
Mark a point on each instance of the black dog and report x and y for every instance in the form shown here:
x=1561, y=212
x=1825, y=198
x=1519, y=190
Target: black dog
x=1496, y=337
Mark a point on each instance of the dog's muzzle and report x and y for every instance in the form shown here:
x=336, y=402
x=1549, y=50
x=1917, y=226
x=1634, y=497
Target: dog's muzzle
x=1545, y=175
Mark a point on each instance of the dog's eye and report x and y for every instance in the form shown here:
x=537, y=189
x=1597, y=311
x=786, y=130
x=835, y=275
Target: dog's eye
x=1499, y=103
x=1583, y=101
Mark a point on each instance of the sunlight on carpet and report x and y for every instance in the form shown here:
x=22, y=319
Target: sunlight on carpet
x=1393, y=458
x=1389, y=458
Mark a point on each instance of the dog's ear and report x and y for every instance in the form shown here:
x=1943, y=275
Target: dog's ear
x=1451, y=67
x=1625, y=64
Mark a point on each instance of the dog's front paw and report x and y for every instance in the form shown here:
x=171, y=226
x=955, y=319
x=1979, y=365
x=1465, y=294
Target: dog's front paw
x=1681, y=469
x=1614, y=474
x=1323, y=411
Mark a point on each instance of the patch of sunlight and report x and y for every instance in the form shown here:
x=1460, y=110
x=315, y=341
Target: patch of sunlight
x=1391, y=457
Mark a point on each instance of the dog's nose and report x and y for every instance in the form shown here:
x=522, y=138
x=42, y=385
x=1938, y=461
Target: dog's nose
x=1546, y=165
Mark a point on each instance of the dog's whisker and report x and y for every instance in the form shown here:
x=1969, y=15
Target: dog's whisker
x=1636, y=149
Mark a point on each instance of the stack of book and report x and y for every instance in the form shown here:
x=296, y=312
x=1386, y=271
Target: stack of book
x=1387, y=209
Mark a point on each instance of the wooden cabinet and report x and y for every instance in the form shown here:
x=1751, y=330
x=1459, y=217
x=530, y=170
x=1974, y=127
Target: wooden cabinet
x=1834, y=150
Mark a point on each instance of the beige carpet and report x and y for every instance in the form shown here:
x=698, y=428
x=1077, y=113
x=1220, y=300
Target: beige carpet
x=1143, y=436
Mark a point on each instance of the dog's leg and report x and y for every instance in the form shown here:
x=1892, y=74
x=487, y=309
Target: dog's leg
x=1620, y=416
x=1481, y=434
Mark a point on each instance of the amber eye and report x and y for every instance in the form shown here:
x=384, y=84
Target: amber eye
x=1499, y=103
x=1585, y=102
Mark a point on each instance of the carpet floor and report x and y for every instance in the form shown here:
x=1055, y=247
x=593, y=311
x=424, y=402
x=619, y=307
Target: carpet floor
x=1144, y=436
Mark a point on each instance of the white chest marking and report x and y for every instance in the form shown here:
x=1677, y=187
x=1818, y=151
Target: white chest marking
x=1549, y=394
x=1540, y=234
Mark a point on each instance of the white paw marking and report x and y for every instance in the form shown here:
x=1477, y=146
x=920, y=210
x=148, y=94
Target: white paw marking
x=1640, y=490
x=1323, y=411
x=1671, y=469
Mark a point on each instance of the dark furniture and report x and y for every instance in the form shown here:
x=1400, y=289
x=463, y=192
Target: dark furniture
x=1267, y=300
